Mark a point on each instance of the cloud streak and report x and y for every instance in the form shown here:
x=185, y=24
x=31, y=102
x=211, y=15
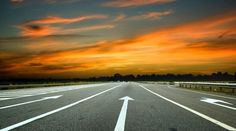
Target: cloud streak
x=22, y=2
x=37, y=31
x=60, y=20
x=49, y=26
x=133, y=3
x=151, y=15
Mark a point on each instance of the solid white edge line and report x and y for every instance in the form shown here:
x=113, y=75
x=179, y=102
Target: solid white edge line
x=188, y=90
x=53, y=111
x=28, y=102
x=82, y=87
x=230, y=128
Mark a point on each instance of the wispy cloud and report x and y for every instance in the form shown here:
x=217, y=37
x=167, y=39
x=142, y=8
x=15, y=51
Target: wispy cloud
x=60, y=1
x=60, y=20
x=151, y=15
x=22, y=2
x=119, y=17
x=37, y=31
x=42, y=31
x=16, y=1
x=51, y=26
x=133, y=3
x=88, y=28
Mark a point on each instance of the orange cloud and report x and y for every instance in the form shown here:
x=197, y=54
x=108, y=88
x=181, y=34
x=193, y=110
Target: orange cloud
x=59, y=20
x=45, y=27
x=133, y=3
x=40, y=31
x=37, y=31
x=16, y=1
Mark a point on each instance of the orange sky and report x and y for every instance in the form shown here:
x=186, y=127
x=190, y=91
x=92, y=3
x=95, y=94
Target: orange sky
x=202, y=46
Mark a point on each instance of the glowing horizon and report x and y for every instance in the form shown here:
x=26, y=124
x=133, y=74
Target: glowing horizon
x=57, y=39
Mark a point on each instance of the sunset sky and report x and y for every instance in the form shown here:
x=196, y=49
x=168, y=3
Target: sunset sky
x=84, y=38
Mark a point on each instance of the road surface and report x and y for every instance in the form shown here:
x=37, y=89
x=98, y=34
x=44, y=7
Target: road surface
x=118, y=106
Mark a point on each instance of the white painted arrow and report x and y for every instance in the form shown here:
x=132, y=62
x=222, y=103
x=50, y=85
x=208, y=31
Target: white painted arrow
x=28, y=102
x=120, y=125
x=216, y=102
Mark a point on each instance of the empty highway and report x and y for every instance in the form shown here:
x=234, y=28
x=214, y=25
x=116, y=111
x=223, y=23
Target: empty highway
x=117, y=106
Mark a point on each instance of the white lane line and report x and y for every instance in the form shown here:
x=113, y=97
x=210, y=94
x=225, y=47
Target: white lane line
x=230, y=128
x=49, y=92
x=120, y=125
x=1, y=99
x=227, y=97
x=28, y=102
x=53, y=111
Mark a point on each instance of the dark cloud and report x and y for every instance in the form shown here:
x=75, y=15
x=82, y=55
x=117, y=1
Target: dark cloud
x=34, y=27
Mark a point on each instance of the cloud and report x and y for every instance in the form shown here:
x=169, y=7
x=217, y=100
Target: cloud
x=195, y=46
x=88, y=28
x=45, y=31
x=151, y=15
x=16, y=1
x=119, y=17
x=60, y=20
x=37, y=31
x=133, y=3
x=22, y=2
x=49, y=26
x=60, y=1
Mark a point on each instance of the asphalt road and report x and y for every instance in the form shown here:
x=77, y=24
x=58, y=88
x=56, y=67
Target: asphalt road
x=98, y=107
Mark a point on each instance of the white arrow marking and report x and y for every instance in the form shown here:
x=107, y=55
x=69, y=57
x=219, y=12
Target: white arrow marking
x=28, y=102
x=214, y=102
x=120, y=125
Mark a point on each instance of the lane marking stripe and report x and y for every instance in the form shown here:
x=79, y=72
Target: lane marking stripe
x=29, y=102
x=230, y=128
x=54, y=111
x=188, y=90
x=49, y=92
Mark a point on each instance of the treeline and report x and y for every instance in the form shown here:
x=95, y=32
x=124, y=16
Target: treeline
x=219, y=76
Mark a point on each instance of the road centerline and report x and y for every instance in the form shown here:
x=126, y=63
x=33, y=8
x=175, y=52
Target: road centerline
x=225, y=126
x=54, y=111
